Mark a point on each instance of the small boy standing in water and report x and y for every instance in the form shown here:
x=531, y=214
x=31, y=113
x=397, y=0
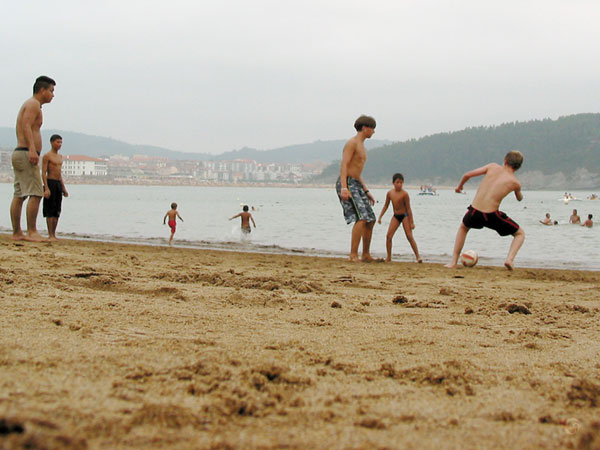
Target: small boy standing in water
x=402, y=215
x=172, y=214
x=246, y=218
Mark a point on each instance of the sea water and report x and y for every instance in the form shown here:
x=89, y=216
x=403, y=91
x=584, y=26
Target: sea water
x=310, y=221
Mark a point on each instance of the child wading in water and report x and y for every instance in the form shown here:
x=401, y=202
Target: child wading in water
x=402, y=215
x=499, y=181
x=246, y=218
x=172, y=214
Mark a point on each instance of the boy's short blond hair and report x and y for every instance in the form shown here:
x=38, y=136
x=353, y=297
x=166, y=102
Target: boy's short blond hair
x=514, y=159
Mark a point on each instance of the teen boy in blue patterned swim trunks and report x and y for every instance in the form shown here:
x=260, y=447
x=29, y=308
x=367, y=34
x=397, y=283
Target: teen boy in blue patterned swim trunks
x=354, y=196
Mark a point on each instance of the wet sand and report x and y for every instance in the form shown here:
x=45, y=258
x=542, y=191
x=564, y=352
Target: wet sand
x=123, y=346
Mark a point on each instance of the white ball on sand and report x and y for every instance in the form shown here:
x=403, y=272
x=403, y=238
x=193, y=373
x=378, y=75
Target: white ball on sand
x=469, y=258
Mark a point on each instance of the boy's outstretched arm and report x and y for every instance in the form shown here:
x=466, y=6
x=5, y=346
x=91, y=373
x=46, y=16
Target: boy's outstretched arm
x=473, y=173
x=237, y=215
x=385, y=207
x=252, y=219
x=179, y=216
x=518, y=194
x=165, y=218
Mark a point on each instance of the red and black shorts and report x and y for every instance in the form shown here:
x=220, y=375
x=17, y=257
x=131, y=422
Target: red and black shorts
x=496, y=220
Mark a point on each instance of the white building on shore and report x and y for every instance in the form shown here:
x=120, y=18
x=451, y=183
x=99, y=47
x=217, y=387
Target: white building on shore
x=80, y=165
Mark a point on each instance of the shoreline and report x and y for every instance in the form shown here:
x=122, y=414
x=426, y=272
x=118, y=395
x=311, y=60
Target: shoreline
x=260, y=249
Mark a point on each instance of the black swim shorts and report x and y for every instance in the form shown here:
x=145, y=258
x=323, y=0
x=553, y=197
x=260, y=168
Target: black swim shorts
x=496, y=220
x=52, y=205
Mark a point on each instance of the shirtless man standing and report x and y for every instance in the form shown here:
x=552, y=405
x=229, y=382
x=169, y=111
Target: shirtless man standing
x=499, y=181
x=25, y=160
x=54, y=187
x=354, y=196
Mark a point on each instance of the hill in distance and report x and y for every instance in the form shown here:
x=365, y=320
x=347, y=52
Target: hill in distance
x=96, y=146
x=559, y=154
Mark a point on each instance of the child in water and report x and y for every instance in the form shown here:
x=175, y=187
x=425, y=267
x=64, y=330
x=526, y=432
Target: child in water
x=246, y=218
x=172, y=214
x=402, y=215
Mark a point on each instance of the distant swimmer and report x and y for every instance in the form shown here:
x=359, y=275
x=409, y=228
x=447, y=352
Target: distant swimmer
x=172, y=214
x=54, y=186
x=246, y=218
x=499, y=181
x=588, y=223
x=402, y=216
x=25, y=161
x=593, y=197
x=355, y=198
x=575, y=219
x=547, y=220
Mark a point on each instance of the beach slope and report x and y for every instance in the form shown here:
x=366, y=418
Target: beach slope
x=122, y=346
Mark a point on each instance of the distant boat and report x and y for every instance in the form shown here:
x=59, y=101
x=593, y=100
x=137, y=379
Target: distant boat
x=428, y=189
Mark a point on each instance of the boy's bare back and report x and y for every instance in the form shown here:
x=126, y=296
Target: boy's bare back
x=172, y=214
x=245, y=216
x=499, y=181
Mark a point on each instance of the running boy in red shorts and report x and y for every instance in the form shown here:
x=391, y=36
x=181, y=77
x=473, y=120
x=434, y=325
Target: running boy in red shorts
x=172, y=214
x=499, y=181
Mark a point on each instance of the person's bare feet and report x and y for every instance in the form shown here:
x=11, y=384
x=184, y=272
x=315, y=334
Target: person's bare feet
x=388, y=259
x=34, y=236
x=451, y=266
x=420, y=261
x=18, y=237
x=509, y=265
x=353, y=258
x=53, y=239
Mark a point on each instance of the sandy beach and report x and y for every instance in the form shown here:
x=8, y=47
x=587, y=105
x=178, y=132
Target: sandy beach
x=122, y=346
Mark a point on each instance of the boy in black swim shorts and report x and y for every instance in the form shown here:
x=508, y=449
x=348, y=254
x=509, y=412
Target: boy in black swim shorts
x=498, y=182
x=54, y=187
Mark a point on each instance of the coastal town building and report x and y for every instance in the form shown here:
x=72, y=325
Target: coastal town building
x=156, y=169
x=80, y=165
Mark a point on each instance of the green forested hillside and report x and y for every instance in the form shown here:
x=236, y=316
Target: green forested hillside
x=558, y=153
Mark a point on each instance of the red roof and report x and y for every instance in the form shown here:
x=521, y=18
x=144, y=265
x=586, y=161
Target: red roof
x=82, y=158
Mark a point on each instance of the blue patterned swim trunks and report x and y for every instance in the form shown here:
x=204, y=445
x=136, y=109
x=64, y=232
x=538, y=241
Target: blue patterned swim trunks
x=358, y=206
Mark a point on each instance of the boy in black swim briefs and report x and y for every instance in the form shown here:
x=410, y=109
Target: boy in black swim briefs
x=498, y=182
x=402, y=216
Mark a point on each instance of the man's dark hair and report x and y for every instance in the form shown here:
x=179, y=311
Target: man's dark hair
x=364, y=121
x=55, y=137
x=397, y=176
x=43, y=82
x=590, y=216
x=245, y=208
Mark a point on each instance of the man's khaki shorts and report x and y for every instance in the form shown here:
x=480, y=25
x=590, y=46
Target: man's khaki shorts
x=28, y=178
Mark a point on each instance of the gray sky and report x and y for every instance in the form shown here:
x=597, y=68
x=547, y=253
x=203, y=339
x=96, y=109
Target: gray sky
x=216, y=76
